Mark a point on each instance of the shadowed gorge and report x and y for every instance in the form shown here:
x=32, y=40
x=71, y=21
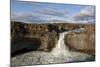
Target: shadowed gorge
x=25, y=44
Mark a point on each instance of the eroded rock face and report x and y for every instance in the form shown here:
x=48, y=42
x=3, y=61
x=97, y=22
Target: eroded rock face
x=47, y=35
x=84, y=42
x=24, y=35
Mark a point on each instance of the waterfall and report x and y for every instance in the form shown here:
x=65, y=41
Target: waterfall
x=60, y=48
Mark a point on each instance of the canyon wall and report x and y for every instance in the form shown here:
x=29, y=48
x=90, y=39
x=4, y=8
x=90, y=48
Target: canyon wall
x=45, y=36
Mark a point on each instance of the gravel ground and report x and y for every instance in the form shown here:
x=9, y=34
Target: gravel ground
x=40, y=57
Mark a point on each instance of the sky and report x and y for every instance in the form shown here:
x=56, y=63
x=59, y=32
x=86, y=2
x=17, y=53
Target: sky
x=39, y=12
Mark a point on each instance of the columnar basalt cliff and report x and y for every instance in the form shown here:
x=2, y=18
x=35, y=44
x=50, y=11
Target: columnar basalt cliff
x=44, y=36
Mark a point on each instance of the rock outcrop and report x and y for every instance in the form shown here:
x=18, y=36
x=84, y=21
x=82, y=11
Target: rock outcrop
x=84, y=42
x=24, y=35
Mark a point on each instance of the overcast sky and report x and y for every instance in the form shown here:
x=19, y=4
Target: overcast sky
x=32, y=12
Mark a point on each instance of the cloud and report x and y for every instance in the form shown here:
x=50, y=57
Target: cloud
x=53, y=12
x=86, y=15
x=44, y=15
x=21, y=16
x=31, y=17
x=36, y=12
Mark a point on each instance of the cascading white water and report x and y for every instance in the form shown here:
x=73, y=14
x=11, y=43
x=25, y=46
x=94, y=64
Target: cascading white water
x=60, y=48
x=60, y=44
